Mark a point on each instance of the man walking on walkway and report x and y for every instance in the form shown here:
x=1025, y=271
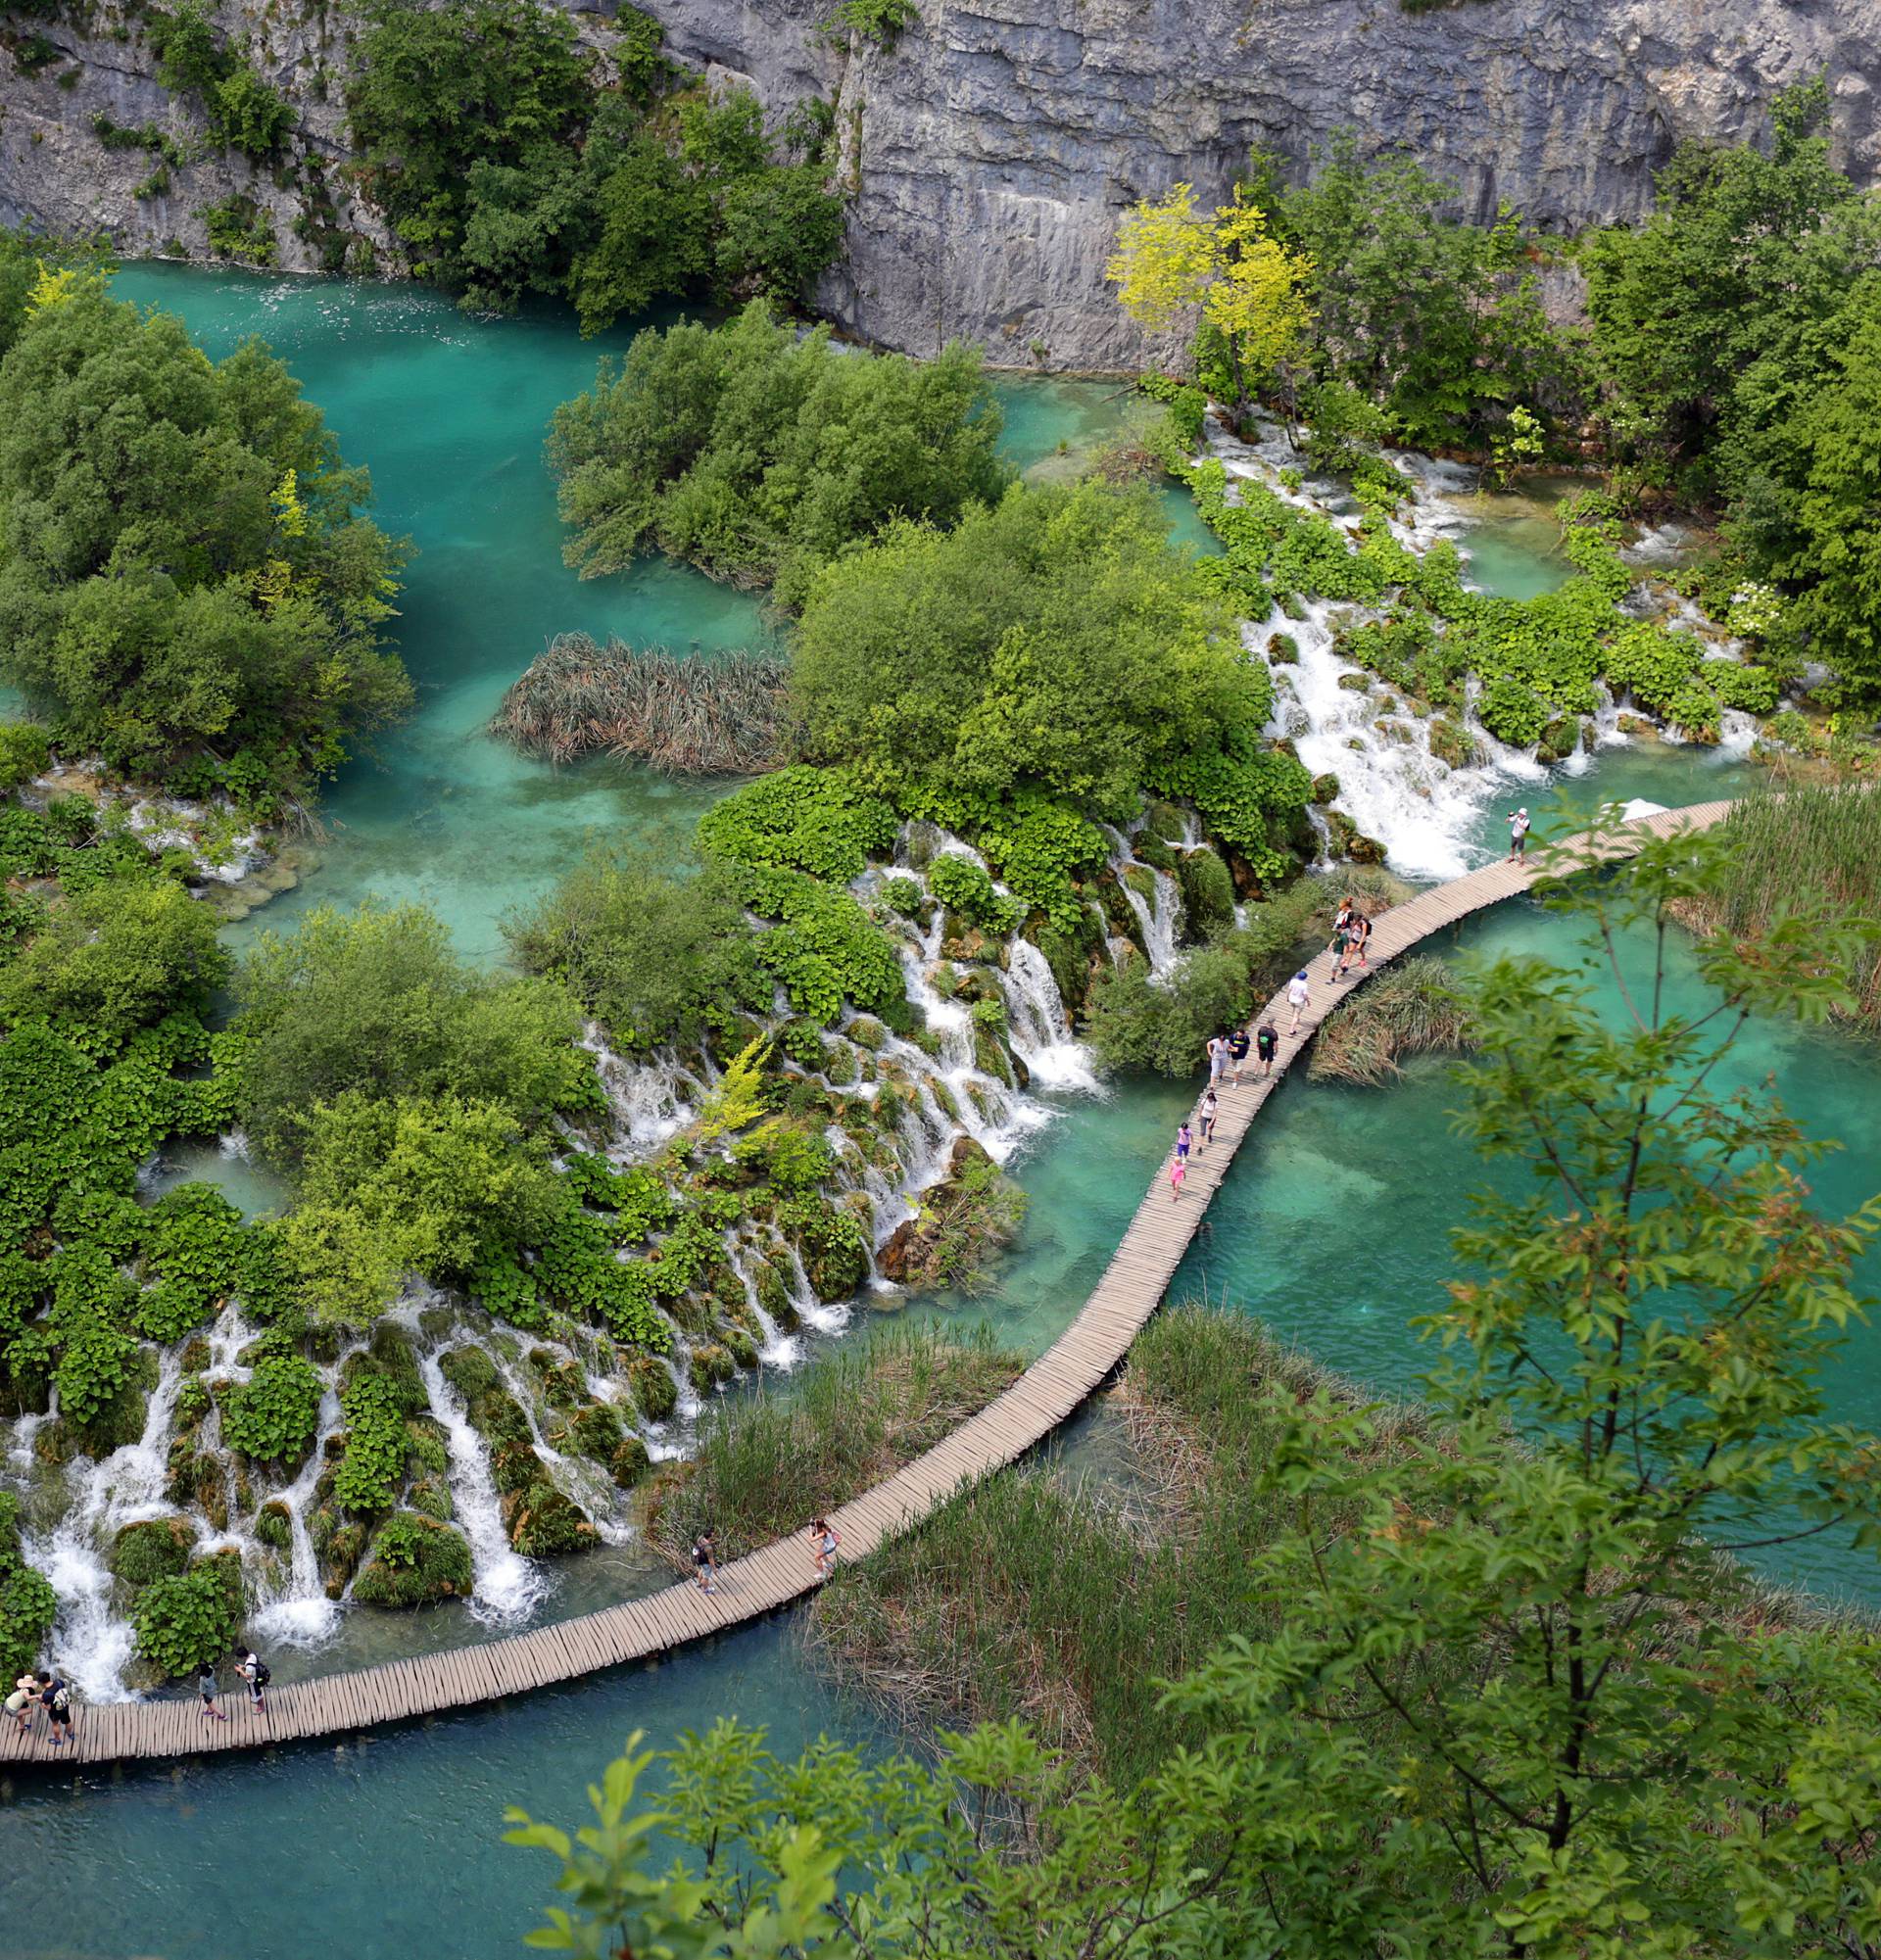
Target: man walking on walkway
x=1266, y=1044
x=1299, y=996
x=1519, y=836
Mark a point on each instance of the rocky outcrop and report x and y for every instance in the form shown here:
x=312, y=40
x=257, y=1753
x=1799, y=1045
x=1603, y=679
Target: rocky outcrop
x=991, y=147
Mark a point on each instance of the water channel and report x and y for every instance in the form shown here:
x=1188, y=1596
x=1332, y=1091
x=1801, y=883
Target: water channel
x=1333, y=1226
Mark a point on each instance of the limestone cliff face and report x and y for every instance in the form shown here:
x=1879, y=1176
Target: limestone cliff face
x=993, y=147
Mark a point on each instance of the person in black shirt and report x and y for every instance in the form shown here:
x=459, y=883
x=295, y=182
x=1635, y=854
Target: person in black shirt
x=1237, y=1051
x=1265, y=1042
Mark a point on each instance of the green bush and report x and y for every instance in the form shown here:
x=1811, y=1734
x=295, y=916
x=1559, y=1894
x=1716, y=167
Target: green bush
x=191, y=1620
x=759, y=455
x=275, y=1415
x=416, y=1561
x=152, y=1548
x=964, y=887
x=28, y=1603
x=223, y=606
x=24, y=750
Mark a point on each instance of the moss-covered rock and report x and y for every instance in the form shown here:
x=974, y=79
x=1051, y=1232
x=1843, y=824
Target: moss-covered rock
x=1283, y=651
x=709, y=1364
x=1452, y=743
x=429, y=1451
x=544, y=1522
x=1154, y=850
x=595, y=1430
x=432, y=1496
x=339, y=1544
x=772, y=1280
x=274, y=1526
x=416, y=1561
x=1325, y=788
x=119, y=1422
x=867, y=1032
x=742, y=1348
x=1208, y=890
x=470, y=1371
x=154, y=1547
x=629, y=1463
x=196, y=1355
x=654, y=1392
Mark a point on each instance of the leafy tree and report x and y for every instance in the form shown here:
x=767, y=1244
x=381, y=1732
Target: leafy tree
x=1052, y=643
x=656, y=958
x=1246, y=286
x=757, y=455
x=1438, y=321
x=377, y=1001
x=244, y=113
x=116, y=959
x=186, y=575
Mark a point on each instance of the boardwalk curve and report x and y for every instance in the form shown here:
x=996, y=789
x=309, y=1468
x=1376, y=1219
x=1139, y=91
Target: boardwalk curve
x=1129, y=1291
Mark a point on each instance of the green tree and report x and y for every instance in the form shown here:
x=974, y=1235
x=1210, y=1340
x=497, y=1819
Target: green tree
x=376, y=1001
x=758, y=454
x=657, y=958
x=187, y=573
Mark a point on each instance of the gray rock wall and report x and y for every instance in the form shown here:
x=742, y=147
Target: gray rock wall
x=992, y=148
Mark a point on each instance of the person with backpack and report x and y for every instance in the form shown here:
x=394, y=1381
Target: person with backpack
x=1266, y=1044
x=1519, y=836
x=706, y=1560
x=55, y=1698
x=256, y=1672
x=1237, y=1052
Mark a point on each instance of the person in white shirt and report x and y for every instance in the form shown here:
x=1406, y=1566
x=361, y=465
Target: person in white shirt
x=1299, y=993
x=1519, y=836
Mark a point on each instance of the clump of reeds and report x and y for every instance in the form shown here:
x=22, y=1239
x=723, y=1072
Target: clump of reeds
x=1027, y=1597
x=1413, y=1009
x=690, y=714
x=1821, y=840
x=769, y=1463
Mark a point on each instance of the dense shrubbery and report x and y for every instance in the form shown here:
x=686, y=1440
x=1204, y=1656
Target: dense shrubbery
x=758, y=456
x=508, y=160
x=187, y=582
x=191, y=1621
x=244, y=112
x=28, y=1603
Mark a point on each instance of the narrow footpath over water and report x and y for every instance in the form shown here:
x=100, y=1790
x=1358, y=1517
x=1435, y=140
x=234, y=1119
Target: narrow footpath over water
x=1129, y=1291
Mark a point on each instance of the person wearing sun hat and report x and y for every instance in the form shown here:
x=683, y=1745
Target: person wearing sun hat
x=1519, y=836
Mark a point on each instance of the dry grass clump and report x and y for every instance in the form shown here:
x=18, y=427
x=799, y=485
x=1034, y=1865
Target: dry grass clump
x=688, y=714
x=1413, y=1009
x=767, y=1464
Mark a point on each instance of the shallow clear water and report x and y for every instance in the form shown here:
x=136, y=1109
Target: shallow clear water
x=1333, y=1224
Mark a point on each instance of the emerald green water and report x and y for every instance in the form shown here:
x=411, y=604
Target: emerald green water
x=1333, y=1224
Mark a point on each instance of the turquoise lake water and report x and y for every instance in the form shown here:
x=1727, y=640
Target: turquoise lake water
x=1333, y=1225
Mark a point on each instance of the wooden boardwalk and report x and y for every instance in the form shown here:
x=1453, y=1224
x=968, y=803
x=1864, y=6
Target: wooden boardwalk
x=1128, y=1294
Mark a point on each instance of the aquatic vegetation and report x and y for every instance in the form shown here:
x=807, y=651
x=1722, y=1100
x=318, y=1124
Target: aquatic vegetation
x=1415, y=1007
x=191, y=1621
x=694, y=714
x=415, y=1561
x=28, y=1603
x=768, y=1464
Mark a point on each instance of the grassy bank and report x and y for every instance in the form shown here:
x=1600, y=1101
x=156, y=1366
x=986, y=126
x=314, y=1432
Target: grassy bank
x=768, y=1464
x=1065, y=1604
x=1833, y=833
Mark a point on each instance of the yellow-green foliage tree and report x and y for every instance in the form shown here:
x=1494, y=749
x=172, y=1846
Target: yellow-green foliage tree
x=1173, y=261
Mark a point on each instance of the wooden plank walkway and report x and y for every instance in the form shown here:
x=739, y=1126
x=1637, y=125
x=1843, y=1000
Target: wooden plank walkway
x=1129, y=1291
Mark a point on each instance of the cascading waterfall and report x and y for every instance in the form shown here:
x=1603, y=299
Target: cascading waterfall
x=1040, y=1028
x=304, y=1616
x=94, y=1641
x=778, y=1349
x=1160, y=916
x=650, y=1101
x=506, y=1586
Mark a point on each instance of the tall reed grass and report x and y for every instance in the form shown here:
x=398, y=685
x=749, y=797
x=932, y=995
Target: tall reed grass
x=768, y=1464
x=1413, y=1009
x=1816, y=839
x=1031, y=1597
x=690, y=714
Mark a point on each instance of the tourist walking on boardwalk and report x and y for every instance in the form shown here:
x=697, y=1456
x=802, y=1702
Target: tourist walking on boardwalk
x=208, y=1688
x=1299, y=996
x=1341, y=937
x=257, y=1673
x=824, y=1540
x=55, y=1698
x=1237, y=1052
x=1210, y=1110
x=706, y=1560
x=21, y=1702
x=1519, y=836
x=1179, y=1170
x=1217, y=1059
x=1358, y=930
x=1266, y=1044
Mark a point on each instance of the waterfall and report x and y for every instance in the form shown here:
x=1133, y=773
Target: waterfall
x=1160, y=916
x=506, y=1586
x=302, y=1617
x=779, y=1349
x=1041, y=1032
x=92, y=1642
x=648, y=1100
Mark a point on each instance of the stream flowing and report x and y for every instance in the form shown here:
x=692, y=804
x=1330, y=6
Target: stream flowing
x=1332, y=1226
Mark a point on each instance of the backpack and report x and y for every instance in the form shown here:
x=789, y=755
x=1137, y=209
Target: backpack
x=262, y=1677
x=60, y=1701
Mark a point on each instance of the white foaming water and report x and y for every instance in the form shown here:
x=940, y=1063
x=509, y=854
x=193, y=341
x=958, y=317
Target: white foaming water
x=506, y=1586
x=1040, y=1028
x=1160, y=917
x=90, y=1641
x=778, y=1349
x=302, y=1617
x=648, y=1100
